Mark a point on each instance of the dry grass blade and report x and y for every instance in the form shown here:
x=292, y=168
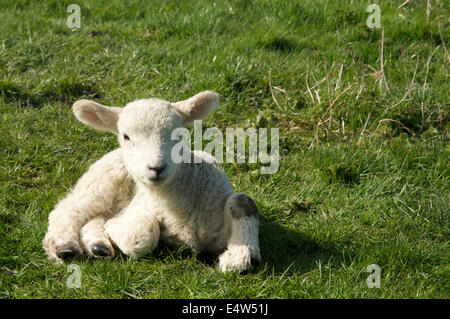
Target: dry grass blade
x=339, y=79
x=403, y=4
x=271, y=91
x=382, y=61
x=335, y=100
x=415, y=71
x=315, y=85
x=364, y=128
x=309, y=90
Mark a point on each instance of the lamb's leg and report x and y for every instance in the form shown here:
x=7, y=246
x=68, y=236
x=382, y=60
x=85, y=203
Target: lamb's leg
x=93, y=194
x=135, y=231
x=61, y=241
x=94, y=239
x=243, y=245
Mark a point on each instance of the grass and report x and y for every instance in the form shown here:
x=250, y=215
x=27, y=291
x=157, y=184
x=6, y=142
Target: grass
x=363, y=118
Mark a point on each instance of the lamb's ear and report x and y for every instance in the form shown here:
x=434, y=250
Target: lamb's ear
x=198, y=107
x=100, y=117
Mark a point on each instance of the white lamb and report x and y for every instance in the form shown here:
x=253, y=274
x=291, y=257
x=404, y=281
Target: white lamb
x=136, y=195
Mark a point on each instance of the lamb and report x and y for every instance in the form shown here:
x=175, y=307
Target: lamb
x=137, y=195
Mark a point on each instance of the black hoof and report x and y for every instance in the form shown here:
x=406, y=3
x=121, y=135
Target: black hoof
x=67, y=253
x=101, y=250
x=254, y=264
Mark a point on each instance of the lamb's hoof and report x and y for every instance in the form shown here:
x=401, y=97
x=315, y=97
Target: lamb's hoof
x=67, y=253
x=101, y=250
x=254, y=264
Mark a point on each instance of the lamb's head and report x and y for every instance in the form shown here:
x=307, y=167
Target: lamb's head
x=144, y=128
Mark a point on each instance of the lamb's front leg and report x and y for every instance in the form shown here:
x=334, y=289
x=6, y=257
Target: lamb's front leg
x=94, y=239
x=92, y=196
x=62, y=240
x=135, y=231
x=243, y=245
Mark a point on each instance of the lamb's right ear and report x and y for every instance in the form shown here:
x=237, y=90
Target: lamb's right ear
x=198, y=107
x=100, y=117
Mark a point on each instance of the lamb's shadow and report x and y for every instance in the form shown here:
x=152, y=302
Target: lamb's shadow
x=287, y=251
x=283, y=251
x=165, y=253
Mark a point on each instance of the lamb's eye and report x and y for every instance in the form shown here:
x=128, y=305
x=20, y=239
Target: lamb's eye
x=126, y=137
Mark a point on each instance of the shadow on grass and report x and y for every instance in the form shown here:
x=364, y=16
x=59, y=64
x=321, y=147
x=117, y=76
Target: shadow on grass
x=65, y=91
x=285, y=251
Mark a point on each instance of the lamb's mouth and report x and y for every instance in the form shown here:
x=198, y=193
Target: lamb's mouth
x=154, y=181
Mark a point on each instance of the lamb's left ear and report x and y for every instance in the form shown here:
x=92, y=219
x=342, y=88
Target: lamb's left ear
x=198, y=107
x=100, y=117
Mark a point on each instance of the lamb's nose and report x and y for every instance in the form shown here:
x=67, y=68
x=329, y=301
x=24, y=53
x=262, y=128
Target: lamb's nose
x=157, y=169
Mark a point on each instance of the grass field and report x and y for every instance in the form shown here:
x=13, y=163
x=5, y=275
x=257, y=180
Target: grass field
x=364, y=139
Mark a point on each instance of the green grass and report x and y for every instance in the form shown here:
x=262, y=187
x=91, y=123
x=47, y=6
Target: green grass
x=364, y=172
